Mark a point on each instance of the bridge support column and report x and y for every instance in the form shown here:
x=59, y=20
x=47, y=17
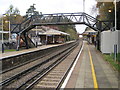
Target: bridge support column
x=18, y=41
x=53, y=38
x=26, y=42
x=98, y=40
x=46, y=41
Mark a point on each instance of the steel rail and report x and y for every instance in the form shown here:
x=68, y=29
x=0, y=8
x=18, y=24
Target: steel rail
x=7, y=82
x=63, y=78
x=45, y=71
x=34, y=59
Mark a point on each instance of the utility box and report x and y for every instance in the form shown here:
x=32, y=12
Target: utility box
x=108, y=41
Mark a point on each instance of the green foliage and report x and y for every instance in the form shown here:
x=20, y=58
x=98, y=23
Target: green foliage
x=31, y=11
x=12, y=16
x=13, y=10
x=10, y=50
x=73, y=34
x=118, y=15
x=118, y=57
x=106, y=10
x=70, y=29
x=109, y=58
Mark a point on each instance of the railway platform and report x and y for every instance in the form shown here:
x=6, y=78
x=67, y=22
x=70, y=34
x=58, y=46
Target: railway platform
x=14, y=53
x=92, y=71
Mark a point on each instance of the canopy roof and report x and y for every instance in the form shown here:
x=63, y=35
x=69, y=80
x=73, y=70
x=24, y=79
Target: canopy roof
x=91, y=30
x=53, y=32
x=4, y=31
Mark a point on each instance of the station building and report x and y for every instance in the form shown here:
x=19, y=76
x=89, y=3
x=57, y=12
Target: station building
x=90, y=35
x=53, y=36
x=108, y=41
x=46, y=35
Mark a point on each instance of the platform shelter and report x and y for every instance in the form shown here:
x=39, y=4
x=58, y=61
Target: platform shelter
x=52, y=36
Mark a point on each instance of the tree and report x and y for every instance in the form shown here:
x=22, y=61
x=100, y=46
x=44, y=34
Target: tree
x=13, y=10
x=70, y=29
x=106, y=10
x=12, y=16
x=94, y=10
x=31, y=11
x=118, y=15
x=16, y=11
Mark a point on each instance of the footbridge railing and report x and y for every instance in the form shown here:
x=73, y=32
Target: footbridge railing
x=62, y=19
x=58, y=19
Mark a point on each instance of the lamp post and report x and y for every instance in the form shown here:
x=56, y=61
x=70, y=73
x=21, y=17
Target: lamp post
x=83, y=5
x=3, y=33
x=2, y=37
x=9, y=31
x=9, y=35
x=8, y=28
x=36, y=37
x=115, y=46
x=9, y=25
x=115, y=14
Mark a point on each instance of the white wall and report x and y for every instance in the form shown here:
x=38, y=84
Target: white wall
x=108, y=40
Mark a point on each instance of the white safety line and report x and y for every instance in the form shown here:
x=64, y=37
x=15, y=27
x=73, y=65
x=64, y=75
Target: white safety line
x=71, y=70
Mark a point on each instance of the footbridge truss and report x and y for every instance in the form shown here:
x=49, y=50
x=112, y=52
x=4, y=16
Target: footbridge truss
x=58, y=19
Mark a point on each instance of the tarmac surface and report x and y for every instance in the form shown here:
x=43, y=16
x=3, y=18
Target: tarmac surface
x=92, y=71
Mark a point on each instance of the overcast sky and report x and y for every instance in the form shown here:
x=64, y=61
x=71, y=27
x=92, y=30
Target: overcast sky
x=50, y=6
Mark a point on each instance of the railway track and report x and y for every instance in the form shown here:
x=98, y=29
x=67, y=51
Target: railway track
x=26, y=79
x=56, y=76
x=6, y=75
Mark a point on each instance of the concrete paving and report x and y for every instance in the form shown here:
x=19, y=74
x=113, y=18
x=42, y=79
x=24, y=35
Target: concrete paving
x=106, y=76
x=85, y=79
x=9, y=54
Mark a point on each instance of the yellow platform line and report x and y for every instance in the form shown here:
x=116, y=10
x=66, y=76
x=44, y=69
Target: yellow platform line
x=93, y=71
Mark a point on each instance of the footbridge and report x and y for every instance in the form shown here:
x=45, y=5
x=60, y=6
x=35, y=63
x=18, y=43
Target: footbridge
x=58, y=19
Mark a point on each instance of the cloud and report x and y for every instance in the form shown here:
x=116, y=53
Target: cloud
x=106, y=0
x=49, y=6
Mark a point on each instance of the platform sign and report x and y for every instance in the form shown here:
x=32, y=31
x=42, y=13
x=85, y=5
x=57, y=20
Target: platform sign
x=49, y=35
x=115, y=52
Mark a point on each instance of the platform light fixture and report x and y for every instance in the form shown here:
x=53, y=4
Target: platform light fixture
x=2, y=33
x=109, y=10
x=83, y=5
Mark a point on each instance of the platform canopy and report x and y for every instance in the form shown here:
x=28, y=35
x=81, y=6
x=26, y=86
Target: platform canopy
x=53, y=32
x=89, y=31
x=4, y=31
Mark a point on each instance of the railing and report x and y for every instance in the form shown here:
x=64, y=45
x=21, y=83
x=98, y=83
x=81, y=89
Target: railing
x=62, y=19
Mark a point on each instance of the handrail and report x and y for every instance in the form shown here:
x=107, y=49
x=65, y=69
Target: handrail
x=49, y=19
